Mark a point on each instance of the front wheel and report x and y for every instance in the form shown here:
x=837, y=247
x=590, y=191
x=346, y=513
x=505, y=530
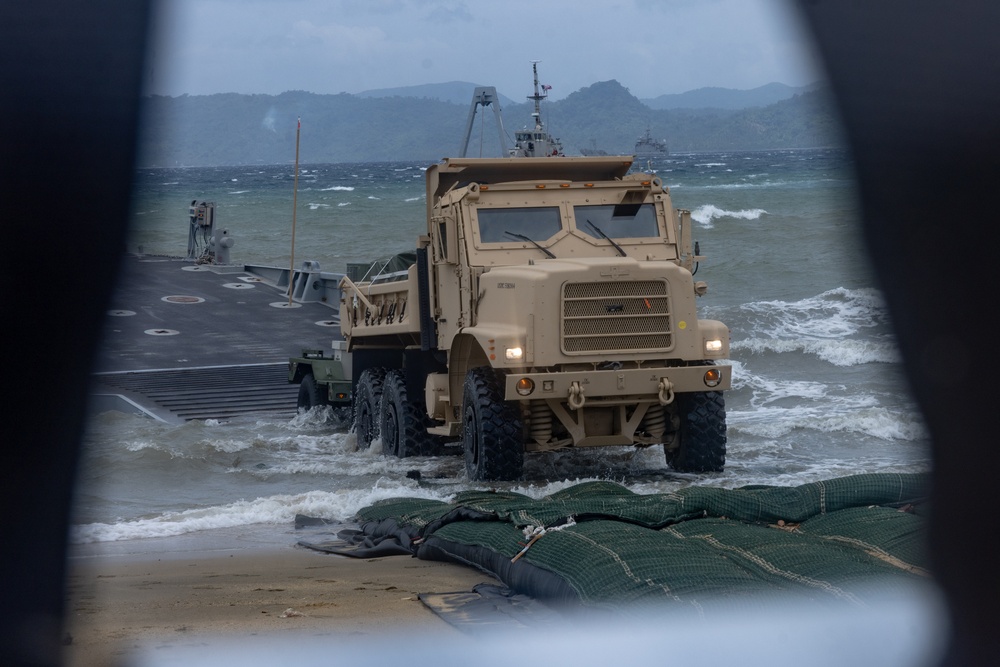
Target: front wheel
x=699, y=444
x=367, y=397
x=491, y=429
x=310, y=394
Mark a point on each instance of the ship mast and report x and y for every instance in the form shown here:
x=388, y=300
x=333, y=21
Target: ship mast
x=537, y=97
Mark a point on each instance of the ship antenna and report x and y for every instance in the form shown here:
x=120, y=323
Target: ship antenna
x=295, y=197
x=537, y=97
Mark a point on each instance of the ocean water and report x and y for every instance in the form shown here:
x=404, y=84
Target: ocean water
x=818, y=385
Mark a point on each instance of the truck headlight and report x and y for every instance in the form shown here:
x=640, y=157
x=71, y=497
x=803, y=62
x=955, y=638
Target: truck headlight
x=713, y=346
x=514, y=354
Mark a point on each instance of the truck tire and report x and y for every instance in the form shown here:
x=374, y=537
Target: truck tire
x=310, y=394
x=401, y=421
x=701, y=441
x=491, y=429
x=367, y=397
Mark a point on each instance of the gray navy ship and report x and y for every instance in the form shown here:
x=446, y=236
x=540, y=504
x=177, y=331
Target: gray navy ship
x=647, y=147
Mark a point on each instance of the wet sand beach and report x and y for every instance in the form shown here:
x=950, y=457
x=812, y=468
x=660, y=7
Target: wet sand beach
x=118, y=605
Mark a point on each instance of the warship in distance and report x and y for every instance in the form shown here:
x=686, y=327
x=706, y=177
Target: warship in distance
x=647, y=147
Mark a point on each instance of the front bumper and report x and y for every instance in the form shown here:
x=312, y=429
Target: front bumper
x=617, y=386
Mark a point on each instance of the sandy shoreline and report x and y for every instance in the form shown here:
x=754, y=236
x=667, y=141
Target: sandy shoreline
x=120, y=604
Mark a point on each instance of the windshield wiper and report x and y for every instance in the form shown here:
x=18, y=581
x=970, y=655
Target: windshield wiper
x=607, y=238
x=533, y=242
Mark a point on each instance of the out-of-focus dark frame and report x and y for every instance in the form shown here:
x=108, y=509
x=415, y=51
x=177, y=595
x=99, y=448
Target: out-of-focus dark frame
x=918, y=87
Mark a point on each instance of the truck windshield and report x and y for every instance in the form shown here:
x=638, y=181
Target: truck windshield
x=631, y=222
x=536, y=222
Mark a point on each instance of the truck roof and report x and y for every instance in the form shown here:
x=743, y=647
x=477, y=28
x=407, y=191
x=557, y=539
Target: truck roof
x=443, y=176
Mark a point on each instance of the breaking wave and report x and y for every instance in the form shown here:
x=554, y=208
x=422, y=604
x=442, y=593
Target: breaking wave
x=706, y=214
x=841, y=326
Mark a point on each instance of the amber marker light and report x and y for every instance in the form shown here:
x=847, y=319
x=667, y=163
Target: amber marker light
x=713, y=377
x=525, y=386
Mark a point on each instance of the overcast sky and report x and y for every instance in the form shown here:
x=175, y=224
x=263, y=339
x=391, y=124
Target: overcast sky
x=331, y=46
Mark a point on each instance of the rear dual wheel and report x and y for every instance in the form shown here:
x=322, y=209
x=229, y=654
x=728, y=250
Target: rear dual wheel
x=402, y=422
x=367, y=399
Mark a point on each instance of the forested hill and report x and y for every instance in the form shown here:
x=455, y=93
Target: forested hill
x=260, y=129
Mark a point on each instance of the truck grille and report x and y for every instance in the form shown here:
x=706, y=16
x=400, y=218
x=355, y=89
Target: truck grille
x=616, y=316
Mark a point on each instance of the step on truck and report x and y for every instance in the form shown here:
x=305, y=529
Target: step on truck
x=550, y=305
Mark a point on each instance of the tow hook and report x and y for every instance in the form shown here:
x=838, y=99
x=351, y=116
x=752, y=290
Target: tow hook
x=576, y=397
x=666, y=391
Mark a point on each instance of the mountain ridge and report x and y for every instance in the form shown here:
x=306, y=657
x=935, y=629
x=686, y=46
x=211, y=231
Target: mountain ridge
x=712, y=97
x=231, y=128
x=728, y=98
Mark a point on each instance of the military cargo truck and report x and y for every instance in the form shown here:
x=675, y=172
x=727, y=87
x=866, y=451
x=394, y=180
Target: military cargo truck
x=550, y=305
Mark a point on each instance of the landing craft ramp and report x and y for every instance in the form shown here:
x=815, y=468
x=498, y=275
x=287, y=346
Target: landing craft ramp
x=189, y=341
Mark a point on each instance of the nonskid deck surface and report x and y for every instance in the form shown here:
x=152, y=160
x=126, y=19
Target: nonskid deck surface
x=186, y=341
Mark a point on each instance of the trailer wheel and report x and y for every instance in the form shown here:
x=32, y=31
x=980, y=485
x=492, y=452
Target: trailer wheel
x=401, y=421
x=367, y=396
x=491, y=428
x=310, y=394
x=701, y=439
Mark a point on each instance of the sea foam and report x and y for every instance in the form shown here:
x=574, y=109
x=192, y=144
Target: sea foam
x=776, y=422
x=826, y=325
x=836, y=352
x=276, y=509
x=706, y=214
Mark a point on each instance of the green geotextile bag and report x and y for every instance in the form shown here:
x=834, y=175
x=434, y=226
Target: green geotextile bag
x=601, y=545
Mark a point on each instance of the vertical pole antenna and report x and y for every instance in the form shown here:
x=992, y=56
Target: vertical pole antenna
x=295, y=207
